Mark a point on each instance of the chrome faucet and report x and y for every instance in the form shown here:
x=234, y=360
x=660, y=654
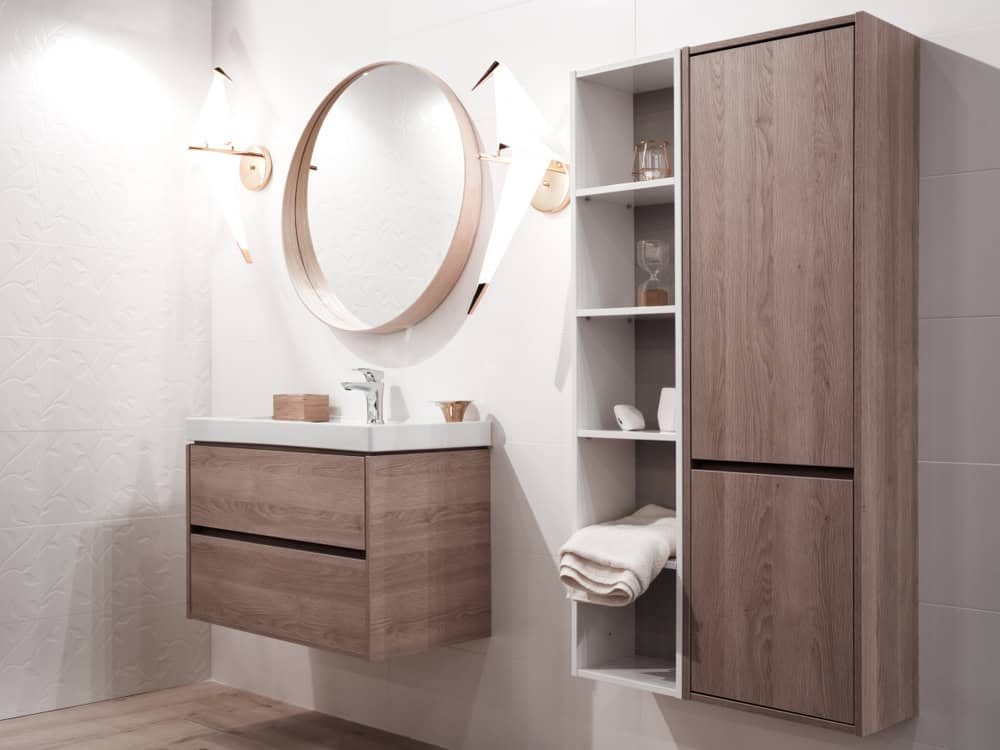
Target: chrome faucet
x=373, y=388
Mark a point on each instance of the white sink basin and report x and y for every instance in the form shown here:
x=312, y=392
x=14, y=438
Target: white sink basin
x=340, y=436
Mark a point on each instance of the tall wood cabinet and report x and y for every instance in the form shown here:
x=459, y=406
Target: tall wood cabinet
x=799, y=441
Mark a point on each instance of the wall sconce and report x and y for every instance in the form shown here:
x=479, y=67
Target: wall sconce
x=537, y=176
x=214, y=137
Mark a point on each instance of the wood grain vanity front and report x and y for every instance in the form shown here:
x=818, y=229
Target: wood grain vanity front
x=772, y=604
x=297, y=595
x=369, y=555
x=429, y=547
x=772, y=160
x=311, y=497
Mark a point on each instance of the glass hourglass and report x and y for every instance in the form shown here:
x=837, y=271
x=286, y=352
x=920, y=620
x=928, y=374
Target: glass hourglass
x=652, y=257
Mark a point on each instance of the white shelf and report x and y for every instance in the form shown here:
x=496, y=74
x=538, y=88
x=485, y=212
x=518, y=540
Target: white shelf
x=652, y=435
x=671, y=564
x=641, y=672
x=648, y=193
x=660, y=311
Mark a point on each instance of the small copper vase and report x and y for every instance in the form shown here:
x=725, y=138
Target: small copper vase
x=454, y=411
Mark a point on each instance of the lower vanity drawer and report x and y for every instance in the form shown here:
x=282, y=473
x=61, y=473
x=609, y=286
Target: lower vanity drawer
x=287, y=592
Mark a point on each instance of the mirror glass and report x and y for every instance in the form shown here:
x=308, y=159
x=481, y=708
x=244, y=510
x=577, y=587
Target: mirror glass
x=385, y=193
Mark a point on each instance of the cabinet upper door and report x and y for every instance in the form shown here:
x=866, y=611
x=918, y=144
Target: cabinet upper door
x=772, y=592
x=771, y=233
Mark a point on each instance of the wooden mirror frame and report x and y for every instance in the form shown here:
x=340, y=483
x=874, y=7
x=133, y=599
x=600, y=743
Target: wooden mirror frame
x=300, y=256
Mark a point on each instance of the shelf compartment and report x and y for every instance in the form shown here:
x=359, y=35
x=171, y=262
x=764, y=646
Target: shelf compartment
x=635, y=76
x=616, y=107
x=647, y=673
x=622, y=361
x=633, y=646
x=616, y=434
x=659, y=311
x=648, y=193
x=607, y=274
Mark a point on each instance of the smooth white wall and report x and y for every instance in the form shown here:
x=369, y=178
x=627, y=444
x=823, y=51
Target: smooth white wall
x=514, y=356
x=104, y=324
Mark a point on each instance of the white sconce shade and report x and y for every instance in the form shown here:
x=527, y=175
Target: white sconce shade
x=521, y=127
x=214, y=137
x=215, y=120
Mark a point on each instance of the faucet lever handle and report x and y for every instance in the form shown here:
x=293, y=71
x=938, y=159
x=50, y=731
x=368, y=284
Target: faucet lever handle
x=370, y=375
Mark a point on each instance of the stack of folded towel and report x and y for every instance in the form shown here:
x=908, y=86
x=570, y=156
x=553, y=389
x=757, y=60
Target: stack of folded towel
x=613, y=563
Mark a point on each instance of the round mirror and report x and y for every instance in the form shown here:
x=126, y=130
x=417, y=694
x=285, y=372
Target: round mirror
x=383, y=199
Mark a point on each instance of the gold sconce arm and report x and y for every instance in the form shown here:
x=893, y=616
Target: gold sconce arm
x=255, y=163
x=230, y=150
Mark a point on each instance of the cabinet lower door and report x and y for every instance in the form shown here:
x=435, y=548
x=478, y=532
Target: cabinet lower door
x=772, y=591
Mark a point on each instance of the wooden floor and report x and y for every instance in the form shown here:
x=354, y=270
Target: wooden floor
x=203, y=716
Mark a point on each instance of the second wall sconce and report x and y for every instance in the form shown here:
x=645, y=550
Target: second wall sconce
x=537, y=176
x=214, y=136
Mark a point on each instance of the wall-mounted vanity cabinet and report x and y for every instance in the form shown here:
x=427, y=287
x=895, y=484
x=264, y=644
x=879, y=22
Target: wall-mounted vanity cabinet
x=794, y=338
x=374, y=555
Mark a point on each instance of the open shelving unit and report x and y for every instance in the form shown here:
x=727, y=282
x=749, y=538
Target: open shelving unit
x=624, y=354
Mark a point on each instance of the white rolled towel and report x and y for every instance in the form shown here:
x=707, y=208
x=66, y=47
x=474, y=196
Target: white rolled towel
x=612, y=563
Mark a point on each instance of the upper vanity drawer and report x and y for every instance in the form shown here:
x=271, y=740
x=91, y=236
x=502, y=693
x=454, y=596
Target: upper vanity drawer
x=310, y=497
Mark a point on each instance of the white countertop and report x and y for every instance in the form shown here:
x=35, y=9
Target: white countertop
x=340, y=436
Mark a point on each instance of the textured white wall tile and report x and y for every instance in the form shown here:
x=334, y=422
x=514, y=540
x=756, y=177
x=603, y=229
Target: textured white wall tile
x=104, y=327
x=959, y=678
x=54, y=662
x=959, y=412
x=959, y=262
x=55, y=571
x=82, y=384
x=157, y=646
x=68, y=477
x=959, y=516
x=404, y=17
x=958, y=108
x=149, y=562
x=58, y=571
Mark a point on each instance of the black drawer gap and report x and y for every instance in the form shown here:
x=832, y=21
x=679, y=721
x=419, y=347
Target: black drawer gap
x=790, y=470
x=273, y=541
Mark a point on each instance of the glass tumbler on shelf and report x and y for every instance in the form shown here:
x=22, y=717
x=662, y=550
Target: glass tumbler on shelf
x=652, y=257
x=650, y=160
